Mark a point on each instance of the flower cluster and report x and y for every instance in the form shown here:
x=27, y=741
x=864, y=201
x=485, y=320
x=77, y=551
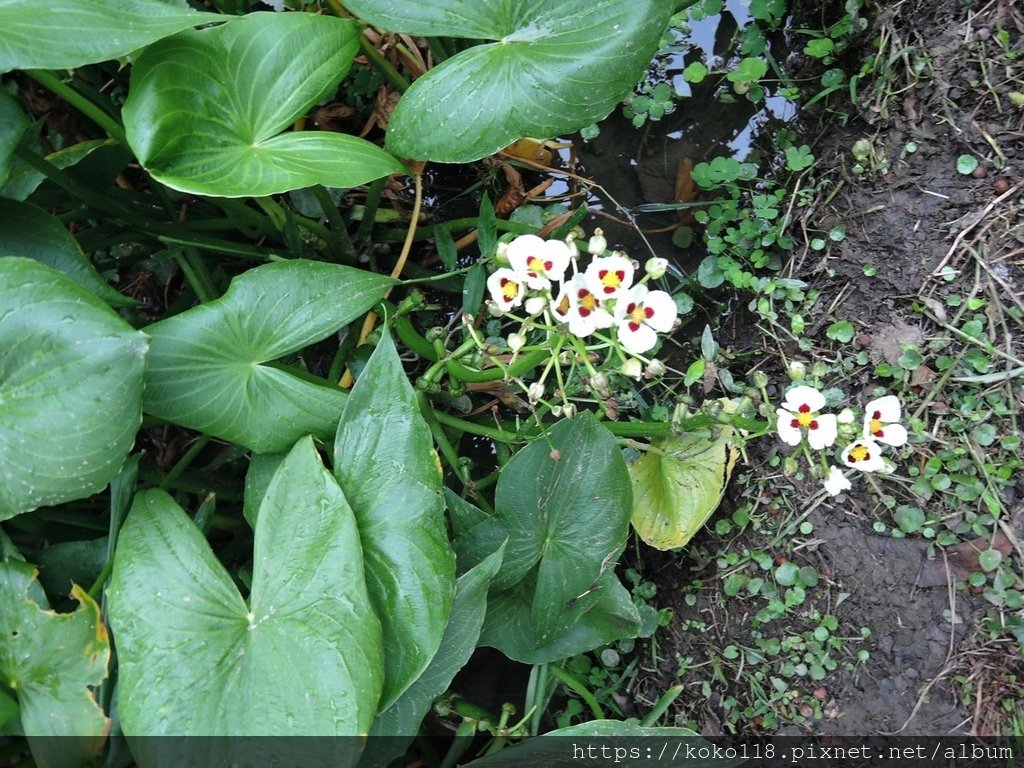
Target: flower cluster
x=544, y=277
x=801, y=417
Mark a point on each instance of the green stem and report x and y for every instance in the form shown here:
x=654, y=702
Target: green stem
x=365, y=228
x=97, y=586
x=569, y=681
x=185, y=461
x=68, y=94
x=473, y=428
x=447, y=449
x=341, y=242
x=391, y=74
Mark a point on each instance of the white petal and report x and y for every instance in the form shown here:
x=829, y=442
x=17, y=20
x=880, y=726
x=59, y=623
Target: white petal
x=665, y=311
x=789, y=434
x=888, y=409
x=892, y=434
x=872, y=463
x=602, y=319
x=804, y=395
x=638, y=341
x=836, y=482
x=825, y=434
x=579, y=325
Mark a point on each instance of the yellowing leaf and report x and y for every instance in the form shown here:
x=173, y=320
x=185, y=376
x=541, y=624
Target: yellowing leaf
x=677, y=486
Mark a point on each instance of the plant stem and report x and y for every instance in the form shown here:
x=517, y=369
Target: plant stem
x=68, y=94
x=185, y=461
x=391, y=74
x=569, y=681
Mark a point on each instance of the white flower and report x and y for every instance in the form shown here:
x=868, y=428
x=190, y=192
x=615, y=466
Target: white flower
x=632, y=368
x=800, y=412
x=535, y=392
x=656, y=267
x=836, y=482
x=880, y=421
x=516, y=341
x=610, y=276
x=597, y=244
x=865, y=455
x=507, y=289
x=642, y=314
x=845, y=416
x=538, y=261
x=578, y=307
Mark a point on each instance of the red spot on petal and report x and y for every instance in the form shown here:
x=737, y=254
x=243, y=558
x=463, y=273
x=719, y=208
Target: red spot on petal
x=584, y=312
x=877, y=415
x=794, y=424
x=879, y=433
x=630, y=308
x=634, y=327
x=813, y=424
x=648, y=312
x=805, y=408
x=548, y=265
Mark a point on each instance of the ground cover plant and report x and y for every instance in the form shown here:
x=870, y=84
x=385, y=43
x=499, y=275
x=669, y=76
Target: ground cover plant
x=301, y=413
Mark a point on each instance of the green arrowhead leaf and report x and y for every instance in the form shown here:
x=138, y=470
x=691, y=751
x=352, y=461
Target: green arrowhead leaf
x=629, y=745
x=207, y=109
x=385, y=462
x=50, y=661
x=508, y=625
x=403, y=718
x=304, y=657
x=675, y=491
x=63, y=34
x=31, y=232
x=208, y=366
x=568, y=516
x=554, y=66
x=70, y=388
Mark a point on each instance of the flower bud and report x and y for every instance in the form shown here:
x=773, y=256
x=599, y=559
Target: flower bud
x=656, y=267
x=502, y=253
x=760, y=379
x=656, y=368
x=493, y=309
x=535, y=392
x=535, y=305
x=845, y=416
x=632, y=368
x=556, y=411
x=597, y=244
x=569, y=410
x=574, y=251
x=797, y=371
x=599, y=384
x=516, y=341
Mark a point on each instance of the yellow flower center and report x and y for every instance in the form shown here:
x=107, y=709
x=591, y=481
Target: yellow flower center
x=875, y=426
x=509, y=289
x=611, y=279
x=534, y=264
x=588, y=302
x=805, y=418
x=859, y=453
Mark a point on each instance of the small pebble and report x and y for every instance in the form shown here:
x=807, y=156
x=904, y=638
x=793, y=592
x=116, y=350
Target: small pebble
x=979, y=172
x=1001, y=185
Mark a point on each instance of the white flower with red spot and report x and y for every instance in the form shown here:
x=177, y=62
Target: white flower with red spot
x=581, y=309
x=865, y=455
x=507, y=288
x=538, y=261
x=836, y=482
x=609, y=277
x=642, y=314
x=881, y=419
x=800, y=414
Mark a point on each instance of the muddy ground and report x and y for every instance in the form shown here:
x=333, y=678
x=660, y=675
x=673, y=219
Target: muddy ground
x=942, y=82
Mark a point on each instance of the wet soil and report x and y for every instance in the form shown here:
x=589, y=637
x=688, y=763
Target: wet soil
x=926, y=231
